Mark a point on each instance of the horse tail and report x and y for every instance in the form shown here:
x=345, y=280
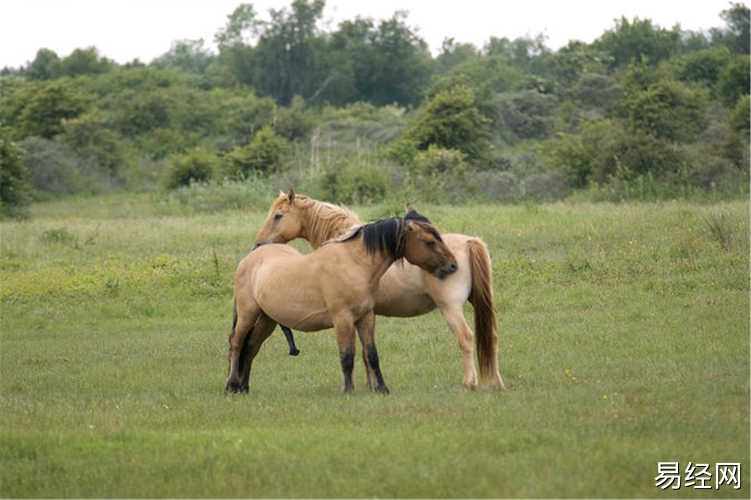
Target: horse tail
x=486, y=330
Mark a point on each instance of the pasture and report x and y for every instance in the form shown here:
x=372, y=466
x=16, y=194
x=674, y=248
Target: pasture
x=624, y=342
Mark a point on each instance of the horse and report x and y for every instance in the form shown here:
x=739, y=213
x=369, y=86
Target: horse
x=334, y=286
x=407, y=291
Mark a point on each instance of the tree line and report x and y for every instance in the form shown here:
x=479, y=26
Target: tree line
x=364, y=110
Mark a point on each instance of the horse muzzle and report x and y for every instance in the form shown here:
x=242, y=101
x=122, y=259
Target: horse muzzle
x=443, y=271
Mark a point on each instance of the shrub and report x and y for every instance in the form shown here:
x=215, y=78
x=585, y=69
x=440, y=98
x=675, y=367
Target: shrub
x=265, y=154
x=196, y=166
x=450, y=120
x=15, y=191
x=734, y=79
x=356, y=185
x=53, y=169
x=739, y=117
x=526, y=115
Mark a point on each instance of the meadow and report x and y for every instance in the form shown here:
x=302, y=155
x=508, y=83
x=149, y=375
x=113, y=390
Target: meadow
x=624, y=342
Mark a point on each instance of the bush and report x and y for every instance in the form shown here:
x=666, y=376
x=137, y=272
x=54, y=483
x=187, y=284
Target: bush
x=525, y=115
x=266, y=153
x=739, y=117
x=450, y=120
x=734, y=80
x=196, y=166
x=355, y=185
x=629, y=155
x=15, y=191
x=667, y=109
x=53, y=169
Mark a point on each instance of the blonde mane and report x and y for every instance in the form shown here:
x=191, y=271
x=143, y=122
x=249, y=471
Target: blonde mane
x=325, y=220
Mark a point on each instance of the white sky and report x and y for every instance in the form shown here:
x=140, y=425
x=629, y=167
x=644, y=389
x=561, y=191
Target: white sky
x=145, y=29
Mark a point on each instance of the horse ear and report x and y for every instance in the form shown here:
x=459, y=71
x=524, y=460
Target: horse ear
x=409, y=208
x=291, y=195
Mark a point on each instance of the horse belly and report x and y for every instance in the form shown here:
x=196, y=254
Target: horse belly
x=296, y=312
x=401, y=293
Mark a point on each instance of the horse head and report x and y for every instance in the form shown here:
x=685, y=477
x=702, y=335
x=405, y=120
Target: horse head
x=284, y=221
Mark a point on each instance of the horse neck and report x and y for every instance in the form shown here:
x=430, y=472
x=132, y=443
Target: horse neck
x=382, y=243
x=324, y=222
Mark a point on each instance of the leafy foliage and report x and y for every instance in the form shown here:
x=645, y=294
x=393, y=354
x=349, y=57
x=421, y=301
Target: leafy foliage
x=15, y=190
x=362, y=111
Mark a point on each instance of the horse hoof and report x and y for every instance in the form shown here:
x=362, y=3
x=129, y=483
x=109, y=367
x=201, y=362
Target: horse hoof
x=294, y=352
x=382, y=390
x=234, y=388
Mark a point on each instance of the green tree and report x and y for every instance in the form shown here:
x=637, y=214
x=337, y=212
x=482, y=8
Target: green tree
x=197, y=165
x=629, y=41
x=450, y=120
x=90, y=136
x=266, y=153
x=191, y=58
x=384, y=64
x=733, y=81
x=287, y=52
x=85, y=62
x=739, y=117
x=525, y=115
x=49, y=104
x=15, y=190
x=45, y=66
x=702, y=67
x=736, y=37
x=667, y=109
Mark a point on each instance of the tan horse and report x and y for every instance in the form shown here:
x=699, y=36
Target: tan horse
x=334, y=286
x=406, y=290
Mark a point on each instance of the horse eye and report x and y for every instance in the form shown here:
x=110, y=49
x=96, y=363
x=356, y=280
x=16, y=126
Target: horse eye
x=430, y=243
x=277, y=216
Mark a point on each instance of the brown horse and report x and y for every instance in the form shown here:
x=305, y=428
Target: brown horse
x=406, y=290
x=334, y=286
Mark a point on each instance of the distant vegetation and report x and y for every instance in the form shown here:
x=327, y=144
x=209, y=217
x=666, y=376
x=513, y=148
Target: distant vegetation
x=365, y=112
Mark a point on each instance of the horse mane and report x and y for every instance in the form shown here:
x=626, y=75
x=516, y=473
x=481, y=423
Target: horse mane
x=326, y=221
x=387, y=235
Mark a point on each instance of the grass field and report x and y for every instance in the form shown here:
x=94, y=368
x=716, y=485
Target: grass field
x=624, y=343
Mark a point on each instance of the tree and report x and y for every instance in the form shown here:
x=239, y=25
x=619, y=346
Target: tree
x=188, y=56
x=667, y=110
x=386, y=64
x=733, y=81
x=15, y=190
x=702, y=67
x=526, y=115
x=45, y=66
x=287, y=50
x=85, y=62
x=49, y=104
x=197, y=165
x=629, y=41
x=265, y=154
x=241, y=27
x=738, y=36
x=739, y=117
x=450, y=120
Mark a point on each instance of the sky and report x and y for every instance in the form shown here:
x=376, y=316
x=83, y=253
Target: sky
x=124, y=30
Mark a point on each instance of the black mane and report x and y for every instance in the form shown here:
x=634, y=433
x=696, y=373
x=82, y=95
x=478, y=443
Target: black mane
x=387, y=235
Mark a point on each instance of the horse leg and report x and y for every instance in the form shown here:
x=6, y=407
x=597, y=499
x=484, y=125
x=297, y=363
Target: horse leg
x=366, y=332
x=454, y=316
x=261, y=331
x=345, y=337
x=243, y=322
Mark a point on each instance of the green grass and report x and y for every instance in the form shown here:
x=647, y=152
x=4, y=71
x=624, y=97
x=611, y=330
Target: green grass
x=624, y=343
